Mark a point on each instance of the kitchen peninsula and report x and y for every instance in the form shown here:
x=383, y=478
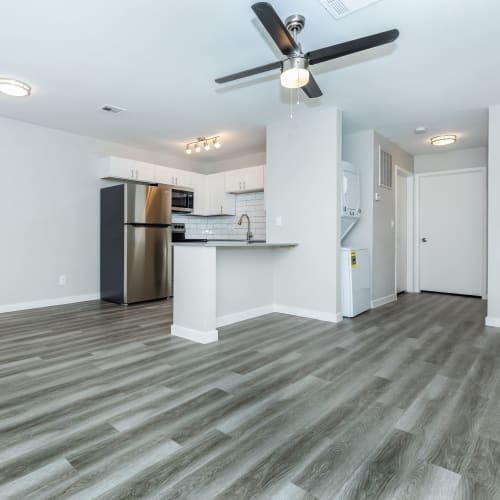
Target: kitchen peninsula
x=222, y=282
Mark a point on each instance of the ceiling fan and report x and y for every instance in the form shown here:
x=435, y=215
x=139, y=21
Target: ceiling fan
x=295, y=67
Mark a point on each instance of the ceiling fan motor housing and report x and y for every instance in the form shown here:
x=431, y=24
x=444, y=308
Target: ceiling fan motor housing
x=295, y=62
x=295, y=23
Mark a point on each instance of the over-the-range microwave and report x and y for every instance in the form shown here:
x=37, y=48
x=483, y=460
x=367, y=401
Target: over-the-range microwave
x=182, y=200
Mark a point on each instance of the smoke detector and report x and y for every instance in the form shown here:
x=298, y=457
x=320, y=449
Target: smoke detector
x=342, y=8
x=114, y=110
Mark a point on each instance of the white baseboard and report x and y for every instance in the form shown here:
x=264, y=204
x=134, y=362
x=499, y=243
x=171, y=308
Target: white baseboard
x=202, y=337
x=490, y=321
x=23, y=306
x=229, y=319
x=384, y=300
x=308, y=313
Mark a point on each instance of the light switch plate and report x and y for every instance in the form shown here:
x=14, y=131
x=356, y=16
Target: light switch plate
x=279, y=220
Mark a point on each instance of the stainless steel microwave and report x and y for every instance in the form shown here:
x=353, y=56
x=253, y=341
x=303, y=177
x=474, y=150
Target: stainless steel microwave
x=182, y=200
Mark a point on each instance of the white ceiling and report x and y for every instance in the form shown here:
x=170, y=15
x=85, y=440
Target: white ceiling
x=158, y=59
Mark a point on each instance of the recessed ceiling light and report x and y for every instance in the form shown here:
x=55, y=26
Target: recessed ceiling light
x=420, y=130
x=14, y=88
x=443, y=140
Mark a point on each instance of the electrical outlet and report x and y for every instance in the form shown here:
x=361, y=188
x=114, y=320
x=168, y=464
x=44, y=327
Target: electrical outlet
x=62, y=279
x=279, y=220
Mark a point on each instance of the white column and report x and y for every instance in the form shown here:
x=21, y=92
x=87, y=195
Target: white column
x=302, y=205
x=493, y=318
x=195, y=288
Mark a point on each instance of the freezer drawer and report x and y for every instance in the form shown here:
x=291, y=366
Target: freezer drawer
x=146, y=263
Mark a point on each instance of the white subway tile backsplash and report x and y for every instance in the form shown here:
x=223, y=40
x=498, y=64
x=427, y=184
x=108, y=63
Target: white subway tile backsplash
x=251, y=204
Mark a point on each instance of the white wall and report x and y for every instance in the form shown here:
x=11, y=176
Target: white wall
x=241, y=161
x=302, y=182
x=451, y=160
x=49, y=201
x=493, y=318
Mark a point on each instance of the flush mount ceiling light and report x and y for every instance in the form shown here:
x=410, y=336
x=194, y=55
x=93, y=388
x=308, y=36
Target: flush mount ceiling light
x=205, y=142
x=14, y=88
x=443, y=140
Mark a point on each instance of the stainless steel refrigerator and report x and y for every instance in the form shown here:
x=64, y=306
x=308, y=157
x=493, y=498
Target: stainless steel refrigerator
x=136, y=240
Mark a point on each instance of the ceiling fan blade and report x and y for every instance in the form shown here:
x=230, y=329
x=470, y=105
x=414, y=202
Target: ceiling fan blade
x=249, y=72
x=312, y=88
x=271, y=21
x=346, y=48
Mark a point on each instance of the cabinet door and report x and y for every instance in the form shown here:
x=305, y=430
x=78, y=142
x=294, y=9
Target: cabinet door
x=113, y=167
x=145, y=172
x=233, y=181
x=219, y=202
x=183, y=178
x=199, y=185
x=253, y=179
x=164, y=175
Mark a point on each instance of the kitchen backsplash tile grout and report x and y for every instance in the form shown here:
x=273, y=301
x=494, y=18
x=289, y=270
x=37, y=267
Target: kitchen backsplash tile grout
x=226, y=227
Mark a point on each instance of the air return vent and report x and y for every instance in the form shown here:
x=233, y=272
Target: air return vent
x=113, y=110
x=341, y=8
x=385, y=169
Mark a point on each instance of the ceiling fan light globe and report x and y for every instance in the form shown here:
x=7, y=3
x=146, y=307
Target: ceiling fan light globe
x=294, y=73
x=294, y=78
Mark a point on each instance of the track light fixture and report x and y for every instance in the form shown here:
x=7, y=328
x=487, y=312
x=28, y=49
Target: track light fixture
x=206, y=142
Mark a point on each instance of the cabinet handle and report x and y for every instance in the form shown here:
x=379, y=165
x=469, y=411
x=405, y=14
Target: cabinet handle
x=132, y=173
x=137, y=174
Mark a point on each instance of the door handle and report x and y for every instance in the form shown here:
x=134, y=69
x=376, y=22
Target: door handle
x=424, y=240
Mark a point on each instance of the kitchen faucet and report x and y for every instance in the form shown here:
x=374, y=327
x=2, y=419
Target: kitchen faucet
x=249, y=234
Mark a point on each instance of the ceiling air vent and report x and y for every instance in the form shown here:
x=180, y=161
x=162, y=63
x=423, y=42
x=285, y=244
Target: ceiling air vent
x=114, y=110
x=341, y=8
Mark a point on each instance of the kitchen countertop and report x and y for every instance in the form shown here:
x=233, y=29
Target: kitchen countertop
x=233, y=243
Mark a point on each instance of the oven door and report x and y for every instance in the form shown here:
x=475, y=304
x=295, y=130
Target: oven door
x=182, y=200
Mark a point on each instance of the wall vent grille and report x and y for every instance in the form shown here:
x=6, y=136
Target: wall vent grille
x=341, y=8
x=385, y=169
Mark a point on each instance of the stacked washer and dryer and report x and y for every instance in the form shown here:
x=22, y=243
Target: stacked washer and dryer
x=355, y=262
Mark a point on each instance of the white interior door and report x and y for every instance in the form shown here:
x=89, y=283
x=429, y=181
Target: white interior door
x=401, y=233
x=452, y=232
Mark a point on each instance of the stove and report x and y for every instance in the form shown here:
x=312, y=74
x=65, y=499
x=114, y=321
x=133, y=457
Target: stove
x=179, y=235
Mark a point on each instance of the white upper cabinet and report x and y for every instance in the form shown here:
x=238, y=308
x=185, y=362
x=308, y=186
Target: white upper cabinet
x=219, y=201
x=213, y=194
x=199, y=186
x=173, y=176
x=113, y=167
x=245, y=180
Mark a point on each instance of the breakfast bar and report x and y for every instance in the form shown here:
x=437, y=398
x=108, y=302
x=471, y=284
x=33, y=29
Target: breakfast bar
x=220, y=283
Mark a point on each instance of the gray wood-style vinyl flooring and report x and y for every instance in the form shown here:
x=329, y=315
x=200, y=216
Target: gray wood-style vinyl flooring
x=99, y=401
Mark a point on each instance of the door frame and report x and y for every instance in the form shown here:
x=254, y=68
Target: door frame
x=416, y=238
x=409, y=224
